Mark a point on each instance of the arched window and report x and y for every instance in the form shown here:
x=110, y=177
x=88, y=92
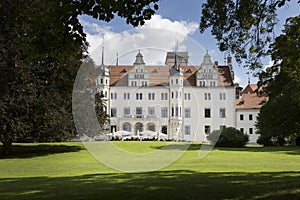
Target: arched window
x=126, y=127
x=151, y=127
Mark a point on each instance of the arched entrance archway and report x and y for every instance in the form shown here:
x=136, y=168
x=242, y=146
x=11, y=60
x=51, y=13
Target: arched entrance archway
x=138, y=128
x=151, y=127
x=126, y=127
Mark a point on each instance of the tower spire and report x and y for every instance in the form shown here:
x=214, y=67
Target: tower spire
x=117, y=62
x=175, y=62
x=102, y=59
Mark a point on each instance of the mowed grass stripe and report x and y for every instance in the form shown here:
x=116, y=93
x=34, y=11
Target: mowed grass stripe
x=68, y=171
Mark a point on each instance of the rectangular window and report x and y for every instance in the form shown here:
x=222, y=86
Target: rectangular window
x=139, y=96
x=164, y=129
x=164, y=96
x=176, y=111
x=250, y=117
x=139, y=110
x=126, y=96
x=207, y=96
x=187, y=112
x=113, y=112
x=242, y=130
x=127, y=111
x=187, y=96
x=113, y=95
x=207, y=112
x=222, y=96
x=151, y=96
x=164, y=112
x=176, y=81
x=250, y=130
x=187, y=130
x=207, y=129
x=222, y=113
x=151, y=111
x=241, y=117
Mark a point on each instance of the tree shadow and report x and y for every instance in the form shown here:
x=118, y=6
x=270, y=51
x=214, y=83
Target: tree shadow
x=177, y=184
x=34, y=150
x=290, y=150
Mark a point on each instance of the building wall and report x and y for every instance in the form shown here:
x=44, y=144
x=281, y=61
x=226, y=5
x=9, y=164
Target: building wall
x=196, y=99
x=246, y=124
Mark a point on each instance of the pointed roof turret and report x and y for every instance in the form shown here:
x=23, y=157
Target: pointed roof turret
x=102, y=59
x=102, y=70
x=175, y=70
x=139, y=59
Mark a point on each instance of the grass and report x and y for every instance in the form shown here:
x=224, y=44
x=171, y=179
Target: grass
x=68, y=171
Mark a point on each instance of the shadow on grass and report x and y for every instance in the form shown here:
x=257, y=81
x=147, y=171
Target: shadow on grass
x=33, y=150
x=291, y=150
x=156, y=185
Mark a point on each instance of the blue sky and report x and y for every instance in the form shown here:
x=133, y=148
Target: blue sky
x=176, y=20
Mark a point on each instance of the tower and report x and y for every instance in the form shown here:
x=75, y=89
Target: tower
x=176, y=100
x=102, y=82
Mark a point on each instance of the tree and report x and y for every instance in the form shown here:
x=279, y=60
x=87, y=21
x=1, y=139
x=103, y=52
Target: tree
x=279, y=119
x=42, y=45
x=246, y=29
x=243, y=27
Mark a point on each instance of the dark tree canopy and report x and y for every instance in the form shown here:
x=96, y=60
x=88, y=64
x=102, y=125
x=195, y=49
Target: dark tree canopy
x=42, y=47
x=246, y=29
x=243, y=27
x=279, y=119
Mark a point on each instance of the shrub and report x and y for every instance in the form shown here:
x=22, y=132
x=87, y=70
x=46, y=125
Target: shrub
x=229, y=137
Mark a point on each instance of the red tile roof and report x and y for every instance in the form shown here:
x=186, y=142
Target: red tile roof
x=159, y=75
x=250, y=99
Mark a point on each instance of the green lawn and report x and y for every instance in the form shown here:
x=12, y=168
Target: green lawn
x=68, y=171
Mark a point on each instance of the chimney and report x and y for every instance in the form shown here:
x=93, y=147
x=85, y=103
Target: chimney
x=229, y=60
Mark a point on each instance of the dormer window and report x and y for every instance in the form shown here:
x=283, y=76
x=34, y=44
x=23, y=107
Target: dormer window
x=189, y=71
x=124, y=71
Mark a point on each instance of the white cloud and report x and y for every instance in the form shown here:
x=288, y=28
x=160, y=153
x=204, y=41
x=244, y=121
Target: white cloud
x=154, y=39
x=237, y=79
x=270, y=64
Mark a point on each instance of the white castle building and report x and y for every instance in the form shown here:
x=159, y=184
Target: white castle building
x=181, y=101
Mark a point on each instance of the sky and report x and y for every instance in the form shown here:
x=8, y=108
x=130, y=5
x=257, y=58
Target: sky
x=175, y=25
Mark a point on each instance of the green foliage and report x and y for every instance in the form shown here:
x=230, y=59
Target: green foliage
x=244, y=28
x=229, y=137
x=279, y=118
x=42, y=46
